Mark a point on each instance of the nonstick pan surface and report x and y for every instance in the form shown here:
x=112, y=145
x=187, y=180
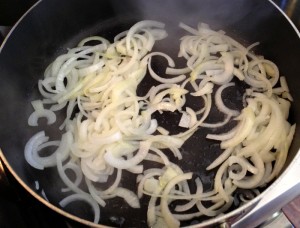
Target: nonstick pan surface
x=51, y=27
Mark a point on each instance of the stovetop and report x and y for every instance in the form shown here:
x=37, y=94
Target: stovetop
x=19, y=209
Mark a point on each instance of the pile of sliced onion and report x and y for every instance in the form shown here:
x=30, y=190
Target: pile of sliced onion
x=114, y=129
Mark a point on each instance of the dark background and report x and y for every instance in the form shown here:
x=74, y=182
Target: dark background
x=12, y=10
x=17, y=207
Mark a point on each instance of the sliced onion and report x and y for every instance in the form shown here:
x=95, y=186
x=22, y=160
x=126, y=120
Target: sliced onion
x=86, y=198
x=76, y=170
x=63, y=149
x=220, y=159
x=94, y=193
x=207, y=88
x=219, y=101
x=170, y=220
x=128, y=196
x=40, y=112
x=227, y=75
x=243, y=129
x=32, y=145
x=125, y=164
x=138, y=26
x=185, y=120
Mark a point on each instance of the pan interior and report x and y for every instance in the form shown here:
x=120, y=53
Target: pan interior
x=48, y=31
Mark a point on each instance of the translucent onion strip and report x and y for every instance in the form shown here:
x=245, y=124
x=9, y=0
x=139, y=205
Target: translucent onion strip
x=76, y=197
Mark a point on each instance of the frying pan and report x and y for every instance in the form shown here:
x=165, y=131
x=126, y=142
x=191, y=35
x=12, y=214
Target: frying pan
x=50, y=27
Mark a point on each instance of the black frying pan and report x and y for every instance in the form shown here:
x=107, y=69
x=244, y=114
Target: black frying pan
x=52, y=26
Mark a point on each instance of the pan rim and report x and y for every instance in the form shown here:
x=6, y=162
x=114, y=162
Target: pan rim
x=222, y=219
x=286, y=17
x=11, y=170
x=42, y=200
